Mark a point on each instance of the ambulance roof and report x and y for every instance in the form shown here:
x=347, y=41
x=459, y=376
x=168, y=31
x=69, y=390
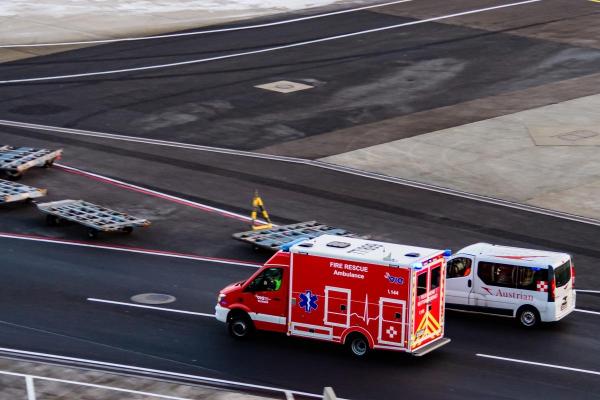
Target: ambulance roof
x=369, y=251
x=518, y=255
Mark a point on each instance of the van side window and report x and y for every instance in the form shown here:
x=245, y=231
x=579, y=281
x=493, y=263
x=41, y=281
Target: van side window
x=529, y=277
x=458, y=268
x=503, y=275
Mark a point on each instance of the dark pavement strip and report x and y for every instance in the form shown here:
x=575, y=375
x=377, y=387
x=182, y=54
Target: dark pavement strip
x=357, y=81
x=157, y=339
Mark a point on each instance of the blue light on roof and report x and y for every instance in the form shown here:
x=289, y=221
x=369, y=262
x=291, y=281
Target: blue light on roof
x=417, y=265
x=447, y=253
x=287, y=246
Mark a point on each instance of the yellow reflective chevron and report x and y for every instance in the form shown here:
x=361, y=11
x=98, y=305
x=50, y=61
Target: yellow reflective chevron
x=428, y=326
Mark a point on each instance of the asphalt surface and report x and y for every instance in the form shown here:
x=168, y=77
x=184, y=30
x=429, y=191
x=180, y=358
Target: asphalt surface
x=45, y=286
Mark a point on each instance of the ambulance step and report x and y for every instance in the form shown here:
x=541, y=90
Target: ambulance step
x=274, y=238
x=430, y=347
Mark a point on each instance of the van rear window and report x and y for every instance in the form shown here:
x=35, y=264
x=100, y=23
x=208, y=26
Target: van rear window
x=562, y=274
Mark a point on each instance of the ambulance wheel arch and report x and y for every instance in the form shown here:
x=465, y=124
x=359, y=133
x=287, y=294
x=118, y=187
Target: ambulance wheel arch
x=239, y=324
x=358, y=341
x=528, y=316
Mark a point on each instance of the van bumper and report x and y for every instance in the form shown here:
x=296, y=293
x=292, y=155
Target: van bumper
x=221, y=313
x=421, y=351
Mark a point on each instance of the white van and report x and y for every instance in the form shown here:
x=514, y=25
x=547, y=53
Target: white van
x=531, y=285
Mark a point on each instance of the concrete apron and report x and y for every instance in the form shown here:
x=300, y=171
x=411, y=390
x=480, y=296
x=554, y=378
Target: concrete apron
x=547, y=156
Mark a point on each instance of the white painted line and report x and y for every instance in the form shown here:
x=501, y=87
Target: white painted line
x=587, y=311
x=31, y=392
x=155, y=193
x=119, y=303
x=204, y=32
x=125, y=249
x=268, y=49
x=587, y=291
x=313, y=163
x=514, y=360
x=156, y=371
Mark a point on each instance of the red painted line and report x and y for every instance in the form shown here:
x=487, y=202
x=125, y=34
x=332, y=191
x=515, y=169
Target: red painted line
x=149, y=192
x=138, y=250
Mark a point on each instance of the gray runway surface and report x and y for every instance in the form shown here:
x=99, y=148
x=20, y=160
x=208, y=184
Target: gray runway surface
x=46, y=285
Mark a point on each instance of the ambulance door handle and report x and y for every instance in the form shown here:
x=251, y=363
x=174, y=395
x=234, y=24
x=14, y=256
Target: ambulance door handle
x=469, y=283
x=276, y=299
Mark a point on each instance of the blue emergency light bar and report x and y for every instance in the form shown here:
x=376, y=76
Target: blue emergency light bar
x=287, y=246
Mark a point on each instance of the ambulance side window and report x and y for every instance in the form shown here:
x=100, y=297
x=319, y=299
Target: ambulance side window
x=269, y=280
x=459, y=267
x=422, y=284
x=435, y=278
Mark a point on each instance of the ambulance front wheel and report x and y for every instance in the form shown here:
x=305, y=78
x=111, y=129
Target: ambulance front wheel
x=528, y=317
x=240, y=326
x=358, y=345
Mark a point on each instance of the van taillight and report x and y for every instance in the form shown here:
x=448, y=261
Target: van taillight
x=552, y=289
x=572, y=276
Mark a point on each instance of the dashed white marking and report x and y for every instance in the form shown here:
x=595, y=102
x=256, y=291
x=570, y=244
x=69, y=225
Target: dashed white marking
x=155, y=371
x=120, y=303
x=125, y=249
x=587, y=311
x=268, y=49
x=539, y=364
x=204, y=32
x=587, y=291
x=313, y=163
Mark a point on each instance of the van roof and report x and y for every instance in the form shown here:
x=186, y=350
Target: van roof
x=369, y=251
x=517, y=255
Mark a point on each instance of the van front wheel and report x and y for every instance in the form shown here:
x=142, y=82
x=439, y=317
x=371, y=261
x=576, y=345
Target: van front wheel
x=528, y=317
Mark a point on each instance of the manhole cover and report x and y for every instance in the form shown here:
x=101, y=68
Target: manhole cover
x=153, y=298
x=284, y=86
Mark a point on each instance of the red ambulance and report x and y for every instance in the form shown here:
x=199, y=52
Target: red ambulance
x=361, y=293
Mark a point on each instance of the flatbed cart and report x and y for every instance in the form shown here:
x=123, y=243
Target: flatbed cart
x=14, y=161
x=96, y=218
x=272, y=239
x=11, y=192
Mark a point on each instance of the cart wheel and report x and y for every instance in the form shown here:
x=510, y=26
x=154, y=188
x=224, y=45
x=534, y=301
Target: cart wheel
x=48, y=163
x=13, y=175
x=52, y=220
x=92, y=233
x=127, y=230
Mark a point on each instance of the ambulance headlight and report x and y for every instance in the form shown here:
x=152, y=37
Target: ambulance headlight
x=221, y=299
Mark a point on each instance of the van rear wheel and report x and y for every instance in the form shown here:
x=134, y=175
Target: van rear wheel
x=528, y=317
x=358, y=345
x=240, y=326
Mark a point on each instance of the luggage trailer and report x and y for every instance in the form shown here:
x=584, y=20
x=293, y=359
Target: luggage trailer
x=11, y=192
x=14, y=161
x=272, y=239
x=96, y=218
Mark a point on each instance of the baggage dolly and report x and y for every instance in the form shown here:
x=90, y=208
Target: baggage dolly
x=11, y=192
x=14, y=161
x=96, y=218
x=272, y=239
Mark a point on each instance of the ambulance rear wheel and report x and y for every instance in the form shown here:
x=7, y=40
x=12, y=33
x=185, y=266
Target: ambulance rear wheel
x=528, y=317
x=358, y=345
x=240, y=326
